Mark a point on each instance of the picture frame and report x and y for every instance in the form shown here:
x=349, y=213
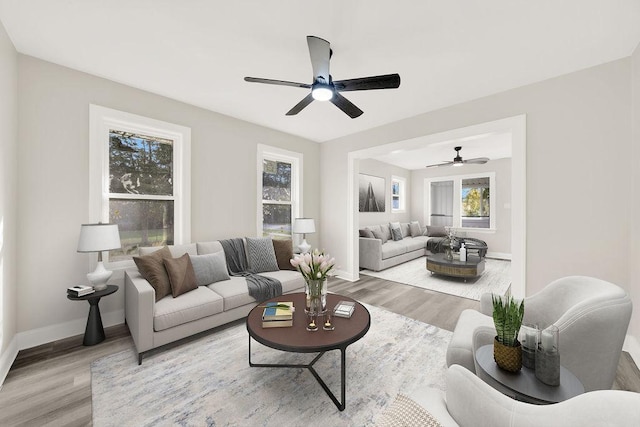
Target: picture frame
x=371, y=193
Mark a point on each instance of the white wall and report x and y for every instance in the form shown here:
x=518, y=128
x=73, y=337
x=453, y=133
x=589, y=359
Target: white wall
x=634, y=252
x=498, y=242
x=386, y=171
x=578, y=129
x=53, y=184
x=8, y=200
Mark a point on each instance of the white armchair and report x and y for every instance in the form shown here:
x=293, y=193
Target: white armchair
x=592, y=316
x=471, y=402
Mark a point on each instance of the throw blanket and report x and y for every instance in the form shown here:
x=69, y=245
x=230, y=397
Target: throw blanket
x=260, y=287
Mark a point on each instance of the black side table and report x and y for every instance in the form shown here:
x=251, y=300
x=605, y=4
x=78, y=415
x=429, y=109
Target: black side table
x=94, y=332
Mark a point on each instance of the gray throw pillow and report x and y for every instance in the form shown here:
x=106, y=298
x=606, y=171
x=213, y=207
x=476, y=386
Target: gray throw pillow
x=377, y=234
x=396, y=231
x=414, y=228
x=386, y=231
x=406, y=229
x=436, y=231
x=365, y=232
x=261, y=255
x=210, y=268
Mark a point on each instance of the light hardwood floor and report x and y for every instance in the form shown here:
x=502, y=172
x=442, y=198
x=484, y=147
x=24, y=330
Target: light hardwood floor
x=50, y=385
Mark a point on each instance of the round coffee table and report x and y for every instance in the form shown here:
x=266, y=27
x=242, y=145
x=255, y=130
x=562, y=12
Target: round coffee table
x=298, y=340
x=523, y=385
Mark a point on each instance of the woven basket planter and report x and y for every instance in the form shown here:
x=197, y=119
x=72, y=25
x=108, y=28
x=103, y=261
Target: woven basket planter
x=507, y=358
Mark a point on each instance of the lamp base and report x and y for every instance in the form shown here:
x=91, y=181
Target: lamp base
x=99, y=277
x=304, y=247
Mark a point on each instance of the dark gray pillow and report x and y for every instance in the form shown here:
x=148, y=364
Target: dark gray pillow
x=414, y=228
x=436, y=231
x=210, y=268
x=260, y=255
x=396, y=231
x=365, y=232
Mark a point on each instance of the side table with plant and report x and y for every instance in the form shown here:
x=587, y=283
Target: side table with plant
x=507, y=318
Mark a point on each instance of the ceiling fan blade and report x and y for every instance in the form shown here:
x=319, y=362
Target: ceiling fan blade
x=300, y=105
x=276, y=82
x=439, y=165
x=477, y=161
x=345, y=105
x=320, y=53
x=387, y=81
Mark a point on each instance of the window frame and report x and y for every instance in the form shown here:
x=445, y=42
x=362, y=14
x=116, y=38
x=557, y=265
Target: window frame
x=457, y=200
x=102, y=120
x=266, y=152
x=402, y=194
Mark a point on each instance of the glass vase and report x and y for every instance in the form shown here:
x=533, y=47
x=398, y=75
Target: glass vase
x=316, y=296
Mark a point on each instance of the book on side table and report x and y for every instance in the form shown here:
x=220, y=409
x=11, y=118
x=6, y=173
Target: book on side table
x=278, y=314
x=80, y=290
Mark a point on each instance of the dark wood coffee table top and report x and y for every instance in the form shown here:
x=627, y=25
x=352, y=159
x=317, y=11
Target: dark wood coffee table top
x=297, y=339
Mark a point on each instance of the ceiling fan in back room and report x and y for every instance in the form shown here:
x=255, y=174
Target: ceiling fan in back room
x=458, y=161
x=324, y=88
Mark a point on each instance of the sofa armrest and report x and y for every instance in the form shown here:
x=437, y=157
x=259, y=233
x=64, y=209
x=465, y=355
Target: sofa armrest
x=370, y=253
x=140, y=299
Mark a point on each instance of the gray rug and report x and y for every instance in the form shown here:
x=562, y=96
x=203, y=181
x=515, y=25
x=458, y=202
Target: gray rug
x=208, y=381
x=496, y=278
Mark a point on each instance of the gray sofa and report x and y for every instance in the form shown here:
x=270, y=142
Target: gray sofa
x=154, y=324
x=376, y=255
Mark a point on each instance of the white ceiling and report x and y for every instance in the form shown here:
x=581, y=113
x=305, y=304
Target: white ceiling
x=446, y=52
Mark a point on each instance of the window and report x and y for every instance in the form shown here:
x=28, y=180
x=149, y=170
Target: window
x=461, y=201
x=398, y=194
x=279, y=191
x=138, y=179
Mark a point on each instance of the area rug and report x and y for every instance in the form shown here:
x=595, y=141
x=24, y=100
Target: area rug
x=496, y=278
x=208, y=381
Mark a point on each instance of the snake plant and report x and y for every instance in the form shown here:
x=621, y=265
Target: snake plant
x=507, y=318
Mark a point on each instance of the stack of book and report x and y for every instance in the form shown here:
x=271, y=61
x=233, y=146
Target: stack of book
x=277, y=314
x=344, y=309
x=80, y=290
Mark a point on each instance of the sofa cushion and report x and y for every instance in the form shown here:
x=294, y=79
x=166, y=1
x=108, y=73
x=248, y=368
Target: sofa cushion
x=234, y=291
x=415, y=243
x=284, y=253
x=176, y=250
x=194, y=305
x=181, y=275
x=152, y=269
x=365, y=232
x=396, y=231
x=378, y=234
x=209, y=247
x=436, y=231
x=260, y=255
x=391, y=249
x=291, y=280
x=406, y=230
x=386, y=231
x=210, y=268
x=414, y=229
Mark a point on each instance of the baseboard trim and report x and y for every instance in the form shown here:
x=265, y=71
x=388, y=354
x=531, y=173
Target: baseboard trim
x=498, y=255
x=632, y=346
x=47, y=334
x=345, y=275
x=6, y=359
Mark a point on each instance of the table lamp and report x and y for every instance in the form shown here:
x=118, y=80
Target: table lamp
x=304, y=226
x=97, y=238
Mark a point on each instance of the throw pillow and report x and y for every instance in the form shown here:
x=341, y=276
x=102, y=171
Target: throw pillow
x=260, y=255
x=406, y=229
x=406, y=412
x=181, y=275
x=209, y=268
x=152, y=269
x=396, y=232
x=386, y=231
x=415, y=229
x=436, y=231
x=365, y=232
x=284, y=253
x=380, y=235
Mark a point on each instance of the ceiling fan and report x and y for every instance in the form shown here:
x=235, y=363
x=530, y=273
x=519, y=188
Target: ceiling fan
x=324, y=88
x=458, y=161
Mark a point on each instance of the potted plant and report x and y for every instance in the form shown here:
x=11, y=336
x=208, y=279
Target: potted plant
x=507, y=318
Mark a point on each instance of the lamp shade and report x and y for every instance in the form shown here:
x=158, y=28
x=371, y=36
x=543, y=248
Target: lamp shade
x=98, y=237
x=304, y=226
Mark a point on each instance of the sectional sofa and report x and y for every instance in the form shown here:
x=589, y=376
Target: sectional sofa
x=156, y=323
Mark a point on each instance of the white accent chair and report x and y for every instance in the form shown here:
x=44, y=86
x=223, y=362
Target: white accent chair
x=592, y=316
x=471, y=402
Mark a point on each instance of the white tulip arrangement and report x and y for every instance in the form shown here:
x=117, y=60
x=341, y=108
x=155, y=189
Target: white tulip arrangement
x=313, y=266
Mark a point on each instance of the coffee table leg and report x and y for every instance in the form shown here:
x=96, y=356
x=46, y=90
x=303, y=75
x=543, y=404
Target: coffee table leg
x=94, y=332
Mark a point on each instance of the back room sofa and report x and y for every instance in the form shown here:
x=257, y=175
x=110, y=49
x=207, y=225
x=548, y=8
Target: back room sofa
x=218, y=299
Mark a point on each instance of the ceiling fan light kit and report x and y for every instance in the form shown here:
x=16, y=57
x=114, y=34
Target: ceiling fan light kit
x=458, y=161
x=324, y=88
